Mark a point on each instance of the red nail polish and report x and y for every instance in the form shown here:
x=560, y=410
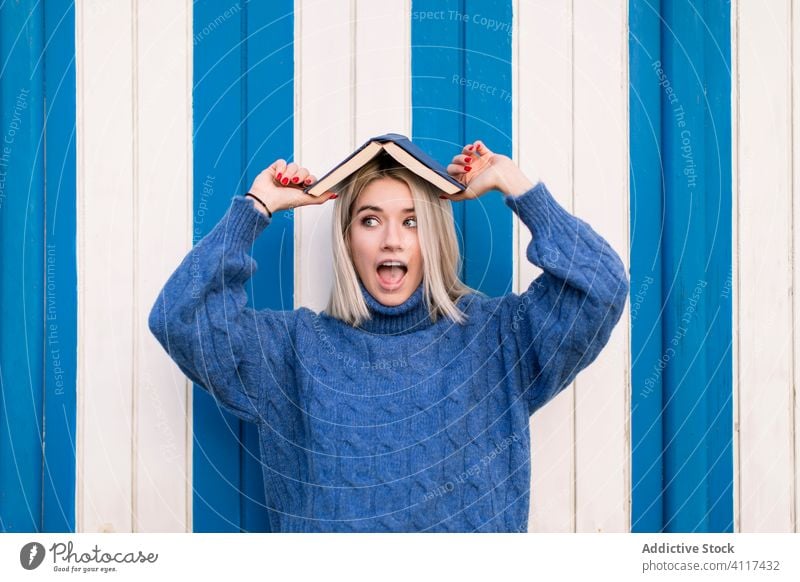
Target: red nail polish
x=470, y=148
x=285, y=181
x=295, y=179
x=279, y=176
x=467, y=160
x=467, y=168
x=334, y=196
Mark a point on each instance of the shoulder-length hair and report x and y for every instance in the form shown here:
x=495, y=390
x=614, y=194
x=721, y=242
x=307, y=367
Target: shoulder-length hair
x=436, y=234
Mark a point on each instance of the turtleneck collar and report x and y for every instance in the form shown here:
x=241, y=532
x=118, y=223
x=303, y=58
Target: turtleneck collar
x=410, y=316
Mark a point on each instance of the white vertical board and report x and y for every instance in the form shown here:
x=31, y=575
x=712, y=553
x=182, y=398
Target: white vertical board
x=162, y=476
x=105, y=154
x=795, y=73
x=348, y=88
x=382, y=68
x=323, y=132
x=571, y=115
x=543, y=128
x=764, y=320
x=600, y=133
x=134, y=209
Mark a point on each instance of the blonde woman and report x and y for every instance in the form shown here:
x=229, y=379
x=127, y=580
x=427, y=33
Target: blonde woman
x=404, y=405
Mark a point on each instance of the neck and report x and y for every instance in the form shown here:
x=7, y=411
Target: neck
x=410, y=316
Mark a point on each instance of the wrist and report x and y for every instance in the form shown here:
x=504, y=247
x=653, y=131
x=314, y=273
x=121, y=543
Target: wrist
x=260, y=204
x=512, y=182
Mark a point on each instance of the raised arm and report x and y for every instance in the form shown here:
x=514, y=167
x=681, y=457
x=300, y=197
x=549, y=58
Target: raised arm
x=201, y=319
x=559, y=325
x=563, y=320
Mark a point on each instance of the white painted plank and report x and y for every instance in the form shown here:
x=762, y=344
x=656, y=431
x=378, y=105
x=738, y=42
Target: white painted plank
x=105, y=265
x=600, y=129
x=163, y=195
x=324, y=79
x=382, y=68
x=736, y=310
x=765, y=333
x=543, y=126
x=795, y=75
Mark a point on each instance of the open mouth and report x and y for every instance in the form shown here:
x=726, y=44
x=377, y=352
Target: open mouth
x=391, y=274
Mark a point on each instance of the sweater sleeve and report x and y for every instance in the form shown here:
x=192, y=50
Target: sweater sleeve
x=201, y=319
x=563, y=320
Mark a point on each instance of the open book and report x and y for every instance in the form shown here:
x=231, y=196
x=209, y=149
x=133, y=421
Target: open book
x=401, y=149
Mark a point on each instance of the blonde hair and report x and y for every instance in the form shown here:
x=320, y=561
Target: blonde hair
x=436, y=233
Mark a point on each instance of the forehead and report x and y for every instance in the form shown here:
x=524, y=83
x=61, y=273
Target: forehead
x=386, y=193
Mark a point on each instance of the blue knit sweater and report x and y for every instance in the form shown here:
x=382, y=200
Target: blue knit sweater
x=402, y=424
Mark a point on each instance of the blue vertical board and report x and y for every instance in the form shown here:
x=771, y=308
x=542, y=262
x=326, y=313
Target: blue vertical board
x=218, y=136
x=461, y=92
x=61, y=273
x=647, y=215
x=243, y=120
x=22, y=232
x=38, y=274
x=269, y=135
x=691, y=78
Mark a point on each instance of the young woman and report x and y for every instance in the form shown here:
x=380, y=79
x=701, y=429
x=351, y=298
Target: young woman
x=404, y=405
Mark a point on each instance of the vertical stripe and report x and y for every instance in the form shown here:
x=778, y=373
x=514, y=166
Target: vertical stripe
x=60, y=312
x=461, y=91
x=37, y=283
x=269, y=128
x=162, y=114
x=543, y=138
x=22, y=213
x=646, y=186
x=600, y=197
x=218, y=152
x=766, y=225
x=690, y=379
x=243, y=109
x=106, y=159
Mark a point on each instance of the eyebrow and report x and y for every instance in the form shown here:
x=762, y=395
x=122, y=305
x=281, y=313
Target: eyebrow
x=377, y=209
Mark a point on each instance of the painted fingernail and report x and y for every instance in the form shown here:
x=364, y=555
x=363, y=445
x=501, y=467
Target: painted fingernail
x=470, y=148
x=285, y=181
x=334, y=196
x=279, y=176
x=308, y=179
x=467, y=160
x=295, y=179
x=467, y=168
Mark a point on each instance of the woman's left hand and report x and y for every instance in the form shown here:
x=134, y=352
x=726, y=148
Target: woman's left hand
x=482, y=170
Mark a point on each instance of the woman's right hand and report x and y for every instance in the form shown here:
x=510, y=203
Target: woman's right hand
x=281, y=185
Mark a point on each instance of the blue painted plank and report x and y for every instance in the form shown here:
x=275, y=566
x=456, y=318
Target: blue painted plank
x=21, y=276
x=437, y=68
x=218, y=143
x=718, y=160
x=61, y=279
x=488, y=224
x=646, y=187
x=694, y=362
x=686, y=269
x=269, y=135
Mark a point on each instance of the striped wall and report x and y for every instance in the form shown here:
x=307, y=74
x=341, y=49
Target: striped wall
x=179, y=105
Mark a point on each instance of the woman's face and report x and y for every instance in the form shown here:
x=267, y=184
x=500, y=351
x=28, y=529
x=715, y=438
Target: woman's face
x=384, y=228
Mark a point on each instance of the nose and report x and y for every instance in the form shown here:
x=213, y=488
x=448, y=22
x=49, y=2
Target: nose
x=392, y=235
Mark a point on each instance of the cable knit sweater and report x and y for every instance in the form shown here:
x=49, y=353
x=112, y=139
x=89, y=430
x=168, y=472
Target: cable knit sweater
x=400, y=424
